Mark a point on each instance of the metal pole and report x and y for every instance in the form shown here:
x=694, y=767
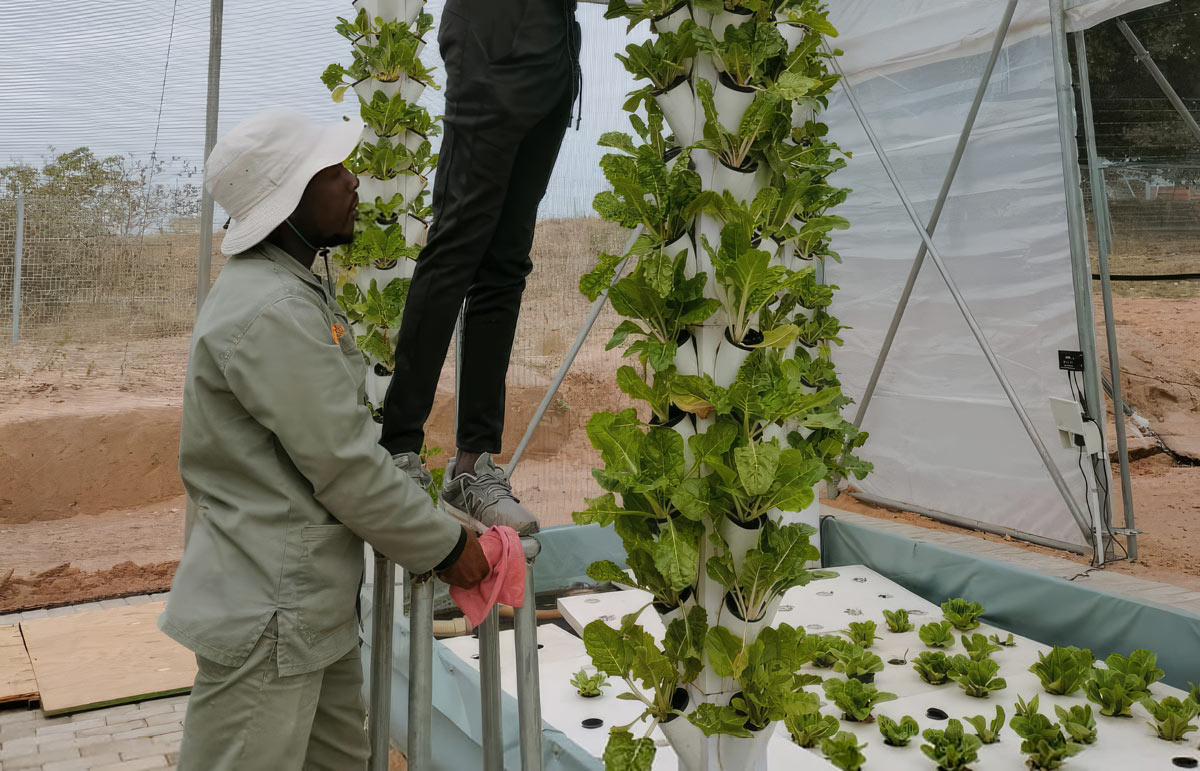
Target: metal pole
x=204, y=257
x=943, y=194
x=969, y=317
x=18, y=253
x=489, y=692
x=967, y=522
x=529, y=690
x=1144, y=57
x=1104, y=246
x=597, y=307
x=1081, y=272
x=420, y=676
x=379, y=713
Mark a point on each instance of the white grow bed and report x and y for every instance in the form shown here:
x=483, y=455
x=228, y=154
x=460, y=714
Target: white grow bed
x=826, y=607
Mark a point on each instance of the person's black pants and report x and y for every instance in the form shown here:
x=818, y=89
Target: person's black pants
x=508, y=100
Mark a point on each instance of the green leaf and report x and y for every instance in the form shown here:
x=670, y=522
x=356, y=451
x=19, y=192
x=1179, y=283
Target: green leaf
x=712, y=719
x=624, y=753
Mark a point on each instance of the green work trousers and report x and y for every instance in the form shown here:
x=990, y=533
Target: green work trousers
x=248, y=718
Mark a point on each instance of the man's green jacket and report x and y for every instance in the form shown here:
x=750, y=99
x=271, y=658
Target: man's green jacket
x=280, y=456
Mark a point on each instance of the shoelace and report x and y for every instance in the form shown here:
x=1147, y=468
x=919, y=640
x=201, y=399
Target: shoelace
x=494, y=485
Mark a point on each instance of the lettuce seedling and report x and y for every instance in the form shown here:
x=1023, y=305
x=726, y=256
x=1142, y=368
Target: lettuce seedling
x=989, y=733
x=964, y=615
x=820, y=649
x=897, y=734
x=855, y=699
x=589, y=685
x=952, y=748
x=1078, y=722
x=853, y=661
x=1194, y=692
x=1114, y=691
x=844, y=751
x=936, y=634
x=1043, y=742
x=1006, y=642
x=897, y=620
x=861, y=633
x=1140, y=664
x=978, y=647
x=976, y=678
x=1172, y=717
x=1023, y=709
x=932, y=666
x=1063, y=670
x=809, y=728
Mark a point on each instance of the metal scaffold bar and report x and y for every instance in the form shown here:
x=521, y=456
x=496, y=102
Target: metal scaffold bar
x=420, y=676
x=1104, y=247
x=204, y=257
x=529, y=693
x=489, y=692
x=961, y=302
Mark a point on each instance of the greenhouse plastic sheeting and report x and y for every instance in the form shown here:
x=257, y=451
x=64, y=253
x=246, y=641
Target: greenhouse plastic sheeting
x=943, y=434
x=1048, y=609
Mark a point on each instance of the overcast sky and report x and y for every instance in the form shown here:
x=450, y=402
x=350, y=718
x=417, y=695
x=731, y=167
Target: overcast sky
x=90, y=72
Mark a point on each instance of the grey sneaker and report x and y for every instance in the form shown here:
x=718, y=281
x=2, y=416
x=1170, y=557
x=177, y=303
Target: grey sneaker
x=485, y=498
x=410, y=463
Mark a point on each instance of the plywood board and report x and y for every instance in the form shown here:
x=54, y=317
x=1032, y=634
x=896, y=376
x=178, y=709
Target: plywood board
x=105, y=657
x=16, y=674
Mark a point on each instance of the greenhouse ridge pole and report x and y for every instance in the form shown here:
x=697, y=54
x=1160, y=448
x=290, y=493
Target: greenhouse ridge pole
x=1104, y=246
x=204, y=257
x=1148, y=61
x=943, y=194
x=961, y=302
x=1081, y=272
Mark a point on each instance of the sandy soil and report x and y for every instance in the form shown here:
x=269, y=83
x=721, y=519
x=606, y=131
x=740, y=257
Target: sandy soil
x=87, y=461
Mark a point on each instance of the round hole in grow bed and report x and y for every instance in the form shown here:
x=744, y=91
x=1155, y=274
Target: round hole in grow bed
x=679, y=702
x=860, y=580
x=381, y=371
x=1184, y=761
x=592, y=600
x=814, y=627
x=475, y=655
x=786, y=608
x=591, y=722
x=916, y=613
x=591, y=695
x=885, y=596
x=825, y=594
x=933, y=713
x=540, y=646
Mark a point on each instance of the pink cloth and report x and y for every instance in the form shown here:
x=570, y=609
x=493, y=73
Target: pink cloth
x=505, y=583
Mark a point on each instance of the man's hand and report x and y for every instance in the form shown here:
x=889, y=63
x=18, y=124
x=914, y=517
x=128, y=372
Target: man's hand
x=470, y=568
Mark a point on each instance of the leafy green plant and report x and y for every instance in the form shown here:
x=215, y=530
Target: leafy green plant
x=663, y=60
x=932, y=666
x=763, y=120
x=809, y=728
x=388, y=116
x=855, y=699
x=1141, y=664
x=897, y=620
x=1114, y=691
x=1172, y=717
x=653, y=674
x=861, y=633
x=844, y=751
x=1043, y=742
x=856, y=662
x=767, y=672
x=589, y=685
x=1063, y=670
x=1078, y=722
x=1008, y=642
x=936, y=634
x=988, y=733
x=748, y=282
x=381, y=246
x=822, y=649
x=767, y=571
x=978, y=647
x=376, y=311
x=385, y=159
x=976, y=678
x=951, y=748
x=745, y=52
x=639, y=11
x=964, y=615
x=897, y=734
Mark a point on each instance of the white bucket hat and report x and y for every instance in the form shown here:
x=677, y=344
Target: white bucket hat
x=259, y=169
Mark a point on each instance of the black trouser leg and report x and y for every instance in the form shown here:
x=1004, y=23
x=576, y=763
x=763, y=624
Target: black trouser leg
x=494, y=299
x=503, y=127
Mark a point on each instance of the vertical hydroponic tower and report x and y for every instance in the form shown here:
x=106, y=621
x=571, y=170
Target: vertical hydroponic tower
x=393, y=164
x=712, y=484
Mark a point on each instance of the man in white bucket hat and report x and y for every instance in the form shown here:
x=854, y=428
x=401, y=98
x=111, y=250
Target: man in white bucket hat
x=280, y=457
